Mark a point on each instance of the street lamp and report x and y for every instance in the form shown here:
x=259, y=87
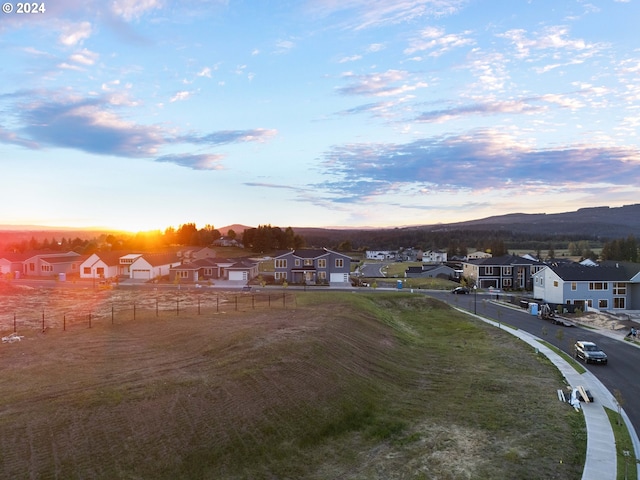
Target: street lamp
x=475, y=299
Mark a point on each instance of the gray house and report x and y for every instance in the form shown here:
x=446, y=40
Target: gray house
x=509, y=272
x=430, y=271
x=313, y=267
x=609, y=286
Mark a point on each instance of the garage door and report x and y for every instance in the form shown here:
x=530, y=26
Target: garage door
x=238, y=275
x=339, y=278
x=141, y=274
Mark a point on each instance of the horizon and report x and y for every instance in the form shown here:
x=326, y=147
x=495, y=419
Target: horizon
x=365, y=114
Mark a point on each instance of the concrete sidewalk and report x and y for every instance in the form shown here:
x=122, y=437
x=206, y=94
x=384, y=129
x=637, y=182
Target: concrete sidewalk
x=601, y=458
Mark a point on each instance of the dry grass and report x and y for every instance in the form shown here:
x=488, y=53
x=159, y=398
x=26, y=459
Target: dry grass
x=381, y=386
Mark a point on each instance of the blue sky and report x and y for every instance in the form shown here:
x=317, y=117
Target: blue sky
x=147, y=114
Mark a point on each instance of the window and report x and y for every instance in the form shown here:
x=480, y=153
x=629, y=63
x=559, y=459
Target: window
x=100, y=271
x=506, y=283
x=281, y=263
x=619, y=288
x=322, y=263
x=280, y=275
x=339, y=263
x=574, y=286
x=618, y=302
x=46, y=268
x=507, y=271
x=603, y=303
x=322, y=275
x=183, y=274
x=598, y=286
x=308, y=262
x=297, y=262
x=555, y=283
x=488, y=270
x=86, y=270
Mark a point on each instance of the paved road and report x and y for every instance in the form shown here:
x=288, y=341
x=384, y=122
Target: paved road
x=621, y=373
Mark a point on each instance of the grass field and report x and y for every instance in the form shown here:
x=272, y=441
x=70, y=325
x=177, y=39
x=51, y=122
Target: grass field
x=349, y=386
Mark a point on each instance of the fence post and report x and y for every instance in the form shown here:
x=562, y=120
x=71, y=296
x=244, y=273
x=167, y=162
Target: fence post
x=236, y=303
x=64, y=323
x=253, y=301
x=177, y=306
x=284, y=299
x=111, y=313
x=198, y=305
x=14, y=323
x=134, y=310
x=42, y=321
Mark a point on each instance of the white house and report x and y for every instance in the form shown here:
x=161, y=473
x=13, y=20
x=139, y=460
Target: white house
x=152, y=265
x=105, y=265
x=434, y=256
x=380, y=254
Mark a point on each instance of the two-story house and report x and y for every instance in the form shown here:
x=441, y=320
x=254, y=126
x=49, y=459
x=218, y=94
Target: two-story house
x=313, y=266
x=610, y=286
x=508, y=272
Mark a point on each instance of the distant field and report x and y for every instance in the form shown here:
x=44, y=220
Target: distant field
x=349, y=386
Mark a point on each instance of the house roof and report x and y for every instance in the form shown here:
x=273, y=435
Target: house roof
x=577, y=273
x=310, y=253
x=156, y=259
x=503, y=260
x=64, y=259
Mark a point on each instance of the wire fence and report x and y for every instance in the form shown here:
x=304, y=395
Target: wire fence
x=91, y=311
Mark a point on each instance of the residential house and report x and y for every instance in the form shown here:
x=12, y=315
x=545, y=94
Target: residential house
x=313, y=266
x=190, y=254
x=241, y=270
x=149, y=266
x=508, y=272
x=434, y=256
x=478, y=254
x=380, y=254
x=12, y=263
x=609, y=286
x=431, y=271
x=52, y=264
x=107, y=265
x=225, y=241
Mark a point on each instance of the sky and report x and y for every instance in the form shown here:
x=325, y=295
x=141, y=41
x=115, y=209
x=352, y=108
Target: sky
x=145, y=114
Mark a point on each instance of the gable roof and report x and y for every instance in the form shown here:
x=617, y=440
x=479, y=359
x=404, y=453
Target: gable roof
x=580, y=273
x=310, y=253
x=505, y=260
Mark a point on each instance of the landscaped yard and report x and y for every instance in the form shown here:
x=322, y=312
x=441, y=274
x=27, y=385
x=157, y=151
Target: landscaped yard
x=350, y=386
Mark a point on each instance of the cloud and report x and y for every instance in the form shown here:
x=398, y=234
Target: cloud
x=488, y=108
x=94, y=125
x=133, y=9
x=180, y=96
x=550, y=38
x=471, y=162
x=435, y=41
x=377, y=13
x=205, y=72
x=231, y=136
x=195, y=162
x=84, y=57
x=87, y=125
x=9, y=137
x=74, y=34
x=379, y=84
x=351, y=58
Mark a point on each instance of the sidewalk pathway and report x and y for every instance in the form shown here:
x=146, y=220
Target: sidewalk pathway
x=601, y=459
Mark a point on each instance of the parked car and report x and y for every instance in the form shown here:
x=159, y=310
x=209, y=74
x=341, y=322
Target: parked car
x=589, y=352
x=460, y=290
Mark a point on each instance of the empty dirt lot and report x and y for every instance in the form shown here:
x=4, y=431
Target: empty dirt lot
x=341, y=386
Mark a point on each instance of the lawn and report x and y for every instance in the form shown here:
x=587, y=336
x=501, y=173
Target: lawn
x=350, y=386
